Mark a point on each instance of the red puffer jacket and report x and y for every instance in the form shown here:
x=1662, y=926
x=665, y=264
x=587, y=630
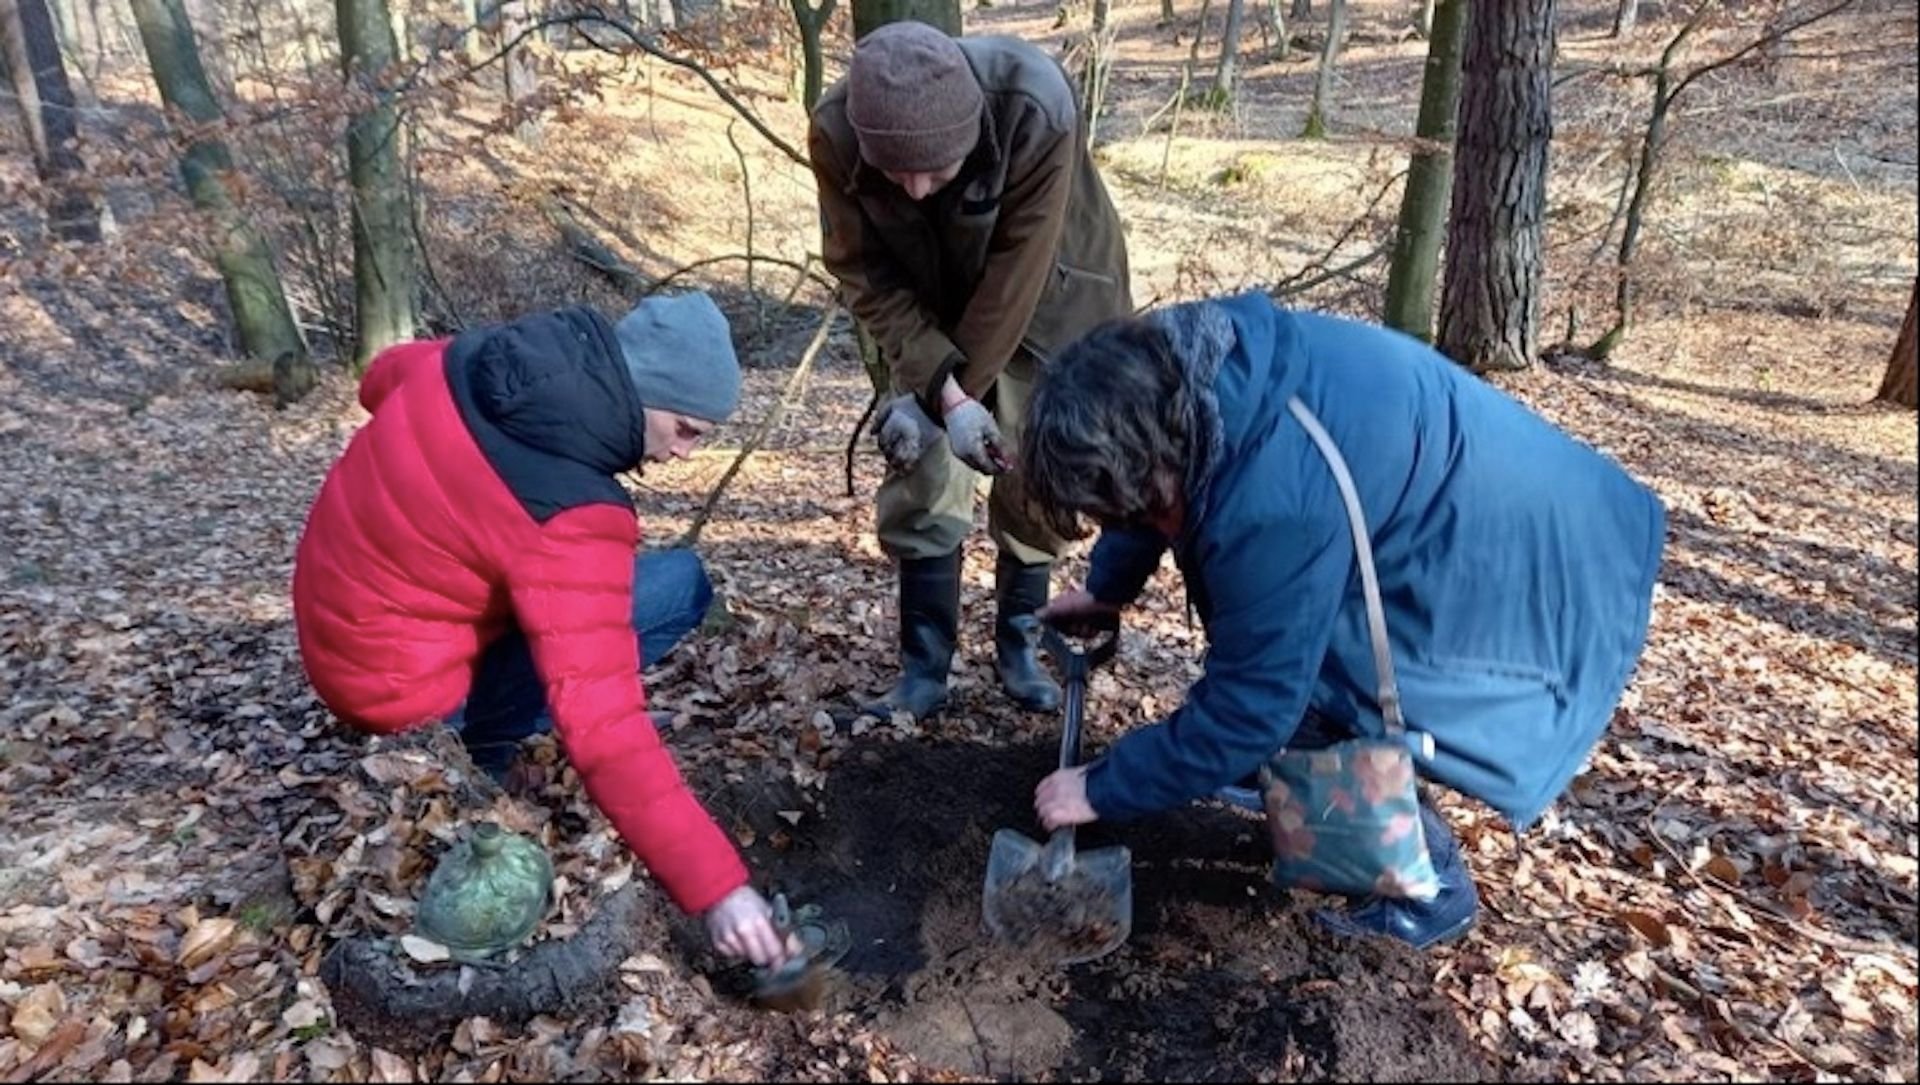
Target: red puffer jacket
x=482, y=493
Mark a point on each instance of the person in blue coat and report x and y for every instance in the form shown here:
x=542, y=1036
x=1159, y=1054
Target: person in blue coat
x=1515, y=563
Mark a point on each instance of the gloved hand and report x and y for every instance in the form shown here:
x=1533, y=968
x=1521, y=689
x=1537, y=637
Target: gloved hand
x=976, y=438
x=741, y=925
x=904, y=432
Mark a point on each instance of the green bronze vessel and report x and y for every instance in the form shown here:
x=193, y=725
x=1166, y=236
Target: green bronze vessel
x=488, y=893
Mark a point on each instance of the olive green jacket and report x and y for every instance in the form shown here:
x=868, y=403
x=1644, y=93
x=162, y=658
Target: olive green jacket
x=1022, y=249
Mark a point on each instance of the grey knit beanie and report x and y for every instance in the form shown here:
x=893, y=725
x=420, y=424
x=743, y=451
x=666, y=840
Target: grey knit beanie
x=912, y=99
x=679, y=354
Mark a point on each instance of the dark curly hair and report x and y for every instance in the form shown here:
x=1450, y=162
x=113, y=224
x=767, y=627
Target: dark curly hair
x=1108, y=429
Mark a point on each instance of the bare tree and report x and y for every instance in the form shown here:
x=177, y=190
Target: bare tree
x=869, y=15
x=1423, y=209
x=385, y=275
x=45, y=98
x=1898, y=386
x=1625, y=14
x=521, y=81
x=1277, y=26
x=1490, y=307
x=812, y=21
x=1223, y=77
x=1323, y=85
x=1302, y=9
x=1668, y=86
x=260, y=312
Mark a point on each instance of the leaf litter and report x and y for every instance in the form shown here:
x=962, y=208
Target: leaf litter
x=1728, y=892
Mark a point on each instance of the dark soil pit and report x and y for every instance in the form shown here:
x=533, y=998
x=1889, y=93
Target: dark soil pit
x=1222, y=978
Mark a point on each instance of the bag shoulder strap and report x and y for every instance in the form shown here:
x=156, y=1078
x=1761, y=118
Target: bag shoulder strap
x=1389, y=692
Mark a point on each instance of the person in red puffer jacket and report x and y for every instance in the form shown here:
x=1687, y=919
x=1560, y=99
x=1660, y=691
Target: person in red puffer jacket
x=471, y=558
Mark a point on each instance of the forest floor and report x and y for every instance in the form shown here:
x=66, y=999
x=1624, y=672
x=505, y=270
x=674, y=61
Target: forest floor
x=1728, y=892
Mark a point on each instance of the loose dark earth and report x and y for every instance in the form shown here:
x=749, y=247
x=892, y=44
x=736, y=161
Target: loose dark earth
x=1222, y=979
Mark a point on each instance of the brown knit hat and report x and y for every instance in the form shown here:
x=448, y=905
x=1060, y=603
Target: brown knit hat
x=912, y=99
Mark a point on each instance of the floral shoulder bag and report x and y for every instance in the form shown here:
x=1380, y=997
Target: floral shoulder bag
x=1346, y=819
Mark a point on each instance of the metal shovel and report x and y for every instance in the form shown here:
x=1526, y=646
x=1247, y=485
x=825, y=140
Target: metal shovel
x=1045, y=898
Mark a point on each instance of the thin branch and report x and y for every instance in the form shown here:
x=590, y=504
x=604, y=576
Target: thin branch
x=777, y=261
x=746, y=198
x=767, y=423
x=640, y=42
x=1295, y=285
x=1299, y=282
x=1760, y=43
x=853, y=439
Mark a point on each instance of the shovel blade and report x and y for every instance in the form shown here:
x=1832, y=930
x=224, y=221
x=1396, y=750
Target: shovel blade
x=1077, y=914
x=1011, y=859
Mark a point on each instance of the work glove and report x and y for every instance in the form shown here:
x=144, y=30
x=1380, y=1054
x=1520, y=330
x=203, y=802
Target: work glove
x=976, y=439
x=904, y=433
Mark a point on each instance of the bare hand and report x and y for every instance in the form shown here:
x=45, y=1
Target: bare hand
x=741, y=925
x=1061, y=799
x=1077, y=611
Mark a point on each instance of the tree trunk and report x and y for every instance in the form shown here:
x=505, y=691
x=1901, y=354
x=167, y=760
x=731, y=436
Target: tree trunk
x=1166, y=12
x=521, y=80
x=66, y=28
x=1223, y=76
x=1898, y=385
x=1626, y=13
x=1282, y=38
x=384, y=272
x=869, y=15
x=401, y=21
x=1423, y=209
x=1490, y=308
x=1426, y=19
x=812, y=22
x=260, y=311
x=1302, y=9
x=1323, y=86
x=19, y=66
x=47, y=106
x=1652, y=142
x=474, y=44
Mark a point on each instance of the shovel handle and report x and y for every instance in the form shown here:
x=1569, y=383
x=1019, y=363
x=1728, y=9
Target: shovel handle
x=1056, y=860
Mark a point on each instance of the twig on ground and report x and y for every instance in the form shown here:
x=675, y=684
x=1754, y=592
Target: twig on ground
x=1719, y=896
x=593, y=252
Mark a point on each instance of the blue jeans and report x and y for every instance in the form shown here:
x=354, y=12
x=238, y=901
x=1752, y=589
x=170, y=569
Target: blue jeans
x=508, y=702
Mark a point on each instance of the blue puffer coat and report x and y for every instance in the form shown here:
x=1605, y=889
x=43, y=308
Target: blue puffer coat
x=1516, y=567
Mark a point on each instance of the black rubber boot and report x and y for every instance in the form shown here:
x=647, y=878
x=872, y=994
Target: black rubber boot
x=929, y=626
x=1021, y=589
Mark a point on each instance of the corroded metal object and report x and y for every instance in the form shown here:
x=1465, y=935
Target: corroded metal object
x=800, y=984
x=487, y=894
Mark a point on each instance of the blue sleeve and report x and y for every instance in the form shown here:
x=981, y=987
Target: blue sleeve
x=1123, y=560
x=1276, y=588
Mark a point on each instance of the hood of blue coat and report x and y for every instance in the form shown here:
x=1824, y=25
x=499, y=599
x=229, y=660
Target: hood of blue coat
x=1243, y=362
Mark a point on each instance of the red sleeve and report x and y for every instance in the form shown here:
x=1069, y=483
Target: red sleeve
x=573, y=595
x=394, y=365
